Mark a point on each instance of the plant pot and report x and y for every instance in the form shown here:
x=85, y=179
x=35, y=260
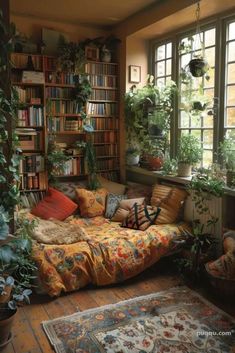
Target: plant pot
x=184, y=169
x=198, y=67
x=230, y=179
x=106, y=56
x=197, y=105
x=132, y=159
x=154, y=130
x=155, y=163
x=5, y=326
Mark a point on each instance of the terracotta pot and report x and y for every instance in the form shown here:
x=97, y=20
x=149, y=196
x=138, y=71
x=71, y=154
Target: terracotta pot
x=184, y=169
x=5, y=327
x=155, y=163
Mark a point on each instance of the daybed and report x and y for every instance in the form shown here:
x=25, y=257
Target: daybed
x=80, y=250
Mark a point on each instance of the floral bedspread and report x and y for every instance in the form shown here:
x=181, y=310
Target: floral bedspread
x=111, y=254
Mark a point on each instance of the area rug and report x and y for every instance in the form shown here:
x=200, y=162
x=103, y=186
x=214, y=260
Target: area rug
x=177, y=320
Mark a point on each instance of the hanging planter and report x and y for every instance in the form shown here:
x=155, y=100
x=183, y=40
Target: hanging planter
x=198, y=67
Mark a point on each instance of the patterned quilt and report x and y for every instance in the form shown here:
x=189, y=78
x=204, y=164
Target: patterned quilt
x=111, y=254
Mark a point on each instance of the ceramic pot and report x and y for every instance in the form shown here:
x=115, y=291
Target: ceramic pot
x=155, y=163
x=132, y=159
x=184, y=169
x=198, y=67
x=5, y=326
x=106, y=56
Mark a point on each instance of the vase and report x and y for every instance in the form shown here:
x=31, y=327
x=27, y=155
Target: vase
x=106, y=56
x=132, y=159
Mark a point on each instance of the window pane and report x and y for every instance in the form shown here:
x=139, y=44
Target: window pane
x=161, y=52
x=230, y=116
x=231, y=95
x=208, y=121
x=231, y=31
x=208, y=139
x=169, y=50
x=195, y=121
x=211, y=81
x=185, y=59
x=231, y=51
x=210, y=56
x=196, y=133
x=160, y=82
x=231, y=73
x=184, y=119
x=231, y=133
x=168, y=67
x=161, y=68
x=207, y=158
x=210, y=37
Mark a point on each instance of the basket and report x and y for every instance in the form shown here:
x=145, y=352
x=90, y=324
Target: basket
x=223, y=286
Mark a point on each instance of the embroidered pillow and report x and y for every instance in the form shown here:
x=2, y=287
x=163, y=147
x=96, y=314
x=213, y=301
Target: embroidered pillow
x=170, y=200
x=125, y=207
x=91, y=203
x=141, y=217
x=112, y=204
x=54, y=205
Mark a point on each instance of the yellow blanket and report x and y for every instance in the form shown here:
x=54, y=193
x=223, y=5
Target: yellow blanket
x=111, y=254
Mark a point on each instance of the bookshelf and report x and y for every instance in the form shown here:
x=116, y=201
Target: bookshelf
x=48, y=109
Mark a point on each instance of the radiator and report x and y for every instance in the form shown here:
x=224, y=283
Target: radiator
x=215, y=205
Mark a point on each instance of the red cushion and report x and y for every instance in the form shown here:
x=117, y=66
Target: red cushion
x=54, y=205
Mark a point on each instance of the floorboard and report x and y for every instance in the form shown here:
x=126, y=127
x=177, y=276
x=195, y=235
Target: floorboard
x=28, y=334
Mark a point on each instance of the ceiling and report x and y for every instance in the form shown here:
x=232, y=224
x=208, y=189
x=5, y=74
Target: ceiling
x=100, y=13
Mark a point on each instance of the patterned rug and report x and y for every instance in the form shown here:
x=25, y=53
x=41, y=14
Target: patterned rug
x=177, y=320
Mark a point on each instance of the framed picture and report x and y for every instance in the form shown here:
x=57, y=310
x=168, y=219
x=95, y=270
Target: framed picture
x=134, y=73
x=92, y=53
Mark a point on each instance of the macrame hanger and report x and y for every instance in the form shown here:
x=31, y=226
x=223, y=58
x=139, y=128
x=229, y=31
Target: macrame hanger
x=198, y=34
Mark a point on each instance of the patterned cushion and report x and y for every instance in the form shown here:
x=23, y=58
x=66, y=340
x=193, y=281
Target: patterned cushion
x=111, y=186
x=91, y=203
x=170, y=200
x=69, y=189
x=112, y=204
x=139, y=190
x=54, y=205
x=141, y=217
x=124, y=209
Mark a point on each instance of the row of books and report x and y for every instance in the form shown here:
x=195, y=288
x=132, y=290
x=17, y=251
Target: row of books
x=104, y=137
x=20, y=61
x=33, y=181
x=104, y=123
x=103, y=164
x=74, y=166
x=26, y=94
x=63, y=107
x=106, y=150
x=101, y=69
x=102, y=109
x=30, y=139
x=113, y=175
x=31, y=199
x=32, y=116
x=57, y=92
x=102, y=94
x=49, y=64
x=62, y=78
x=34, y=163
x=103, y=81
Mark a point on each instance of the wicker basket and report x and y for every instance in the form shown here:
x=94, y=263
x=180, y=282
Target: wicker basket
x=224, y=287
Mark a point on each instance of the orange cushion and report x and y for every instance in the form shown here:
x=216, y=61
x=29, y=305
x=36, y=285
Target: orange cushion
x=170, y=200
x=91, y=203
x=54, y=205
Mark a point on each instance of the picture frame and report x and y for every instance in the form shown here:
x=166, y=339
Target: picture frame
x=134, y=73
x=92, y=53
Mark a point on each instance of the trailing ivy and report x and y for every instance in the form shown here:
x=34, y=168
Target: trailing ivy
x=9, y=157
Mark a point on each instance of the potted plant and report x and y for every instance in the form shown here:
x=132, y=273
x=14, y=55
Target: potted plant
x=81, y=91
x=169, y=166
x=71, y=57
x=227, y=152
x=57, y=159
x=189, y=153
x=132, y=156
x=78, y=147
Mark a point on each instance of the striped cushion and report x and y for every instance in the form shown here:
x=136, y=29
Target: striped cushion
x=54, y=205
x=141, y=217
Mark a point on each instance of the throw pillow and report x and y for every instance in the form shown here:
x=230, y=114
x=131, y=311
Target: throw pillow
x=141, y=217
x=112, y=204
x=125, y=207
x=91, y=203
x=170, y=200
x=54, y=205
x=69, y=188
x=111, y=186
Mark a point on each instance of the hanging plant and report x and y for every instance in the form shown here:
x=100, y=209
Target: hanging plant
x=82, y=91
x=90, y=158
x=71, y=57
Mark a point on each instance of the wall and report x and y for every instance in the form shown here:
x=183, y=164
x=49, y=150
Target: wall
x=31, y=26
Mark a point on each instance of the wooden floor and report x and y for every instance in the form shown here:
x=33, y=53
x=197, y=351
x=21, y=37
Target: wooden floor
x=28, y=335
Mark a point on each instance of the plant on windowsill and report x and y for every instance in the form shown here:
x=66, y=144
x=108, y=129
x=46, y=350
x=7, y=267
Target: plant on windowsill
x=132, y=156
x=227, y=153
x=200, y=244
x=169, y=166
x=189, y=154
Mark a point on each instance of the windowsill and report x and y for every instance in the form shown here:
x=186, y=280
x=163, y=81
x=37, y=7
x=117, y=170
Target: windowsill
x=172, y=178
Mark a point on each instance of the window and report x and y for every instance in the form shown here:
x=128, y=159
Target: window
x=229, y=109
x=163, y=63
x=197, y=123
x=218, y=39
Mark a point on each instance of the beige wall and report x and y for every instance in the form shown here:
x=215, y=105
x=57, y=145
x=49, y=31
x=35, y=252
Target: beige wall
x=31, y=26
